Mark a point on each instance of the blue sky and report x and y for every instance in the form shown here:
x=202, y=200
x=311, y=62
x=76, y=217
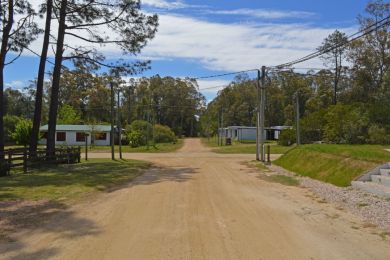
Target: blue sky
x=199, y=38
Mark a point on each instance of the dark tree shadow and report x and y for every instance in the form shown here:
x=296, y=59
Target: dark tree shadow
x=56, y=217
x=39, y=216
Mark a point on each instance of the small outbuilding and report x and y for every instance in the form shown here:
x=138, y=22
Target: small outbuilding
x=248, y=133
x=76, y=134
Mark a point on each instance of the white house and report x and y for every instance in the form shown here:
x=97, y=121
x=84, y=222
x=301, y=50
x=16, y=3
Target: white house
x=248, y=133
x=76, y=134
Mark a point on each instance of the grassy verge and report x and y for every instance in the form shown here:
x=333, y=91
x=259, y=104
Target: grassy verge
x=69, y=181
x=243, y=148
x=158, y=148
x=267, y=175
x=281, y=179
x=336, y=164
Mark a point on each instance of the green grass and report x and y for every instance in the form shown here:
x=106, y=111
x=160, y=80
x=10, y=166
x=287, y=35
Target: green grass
x=66, y=182
x=158, y=148
x=243, y=148
x=281, y=179
x=336, y=164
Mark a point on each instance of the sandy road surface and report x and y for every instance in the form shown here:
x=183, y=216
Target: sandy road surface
x=200, y=205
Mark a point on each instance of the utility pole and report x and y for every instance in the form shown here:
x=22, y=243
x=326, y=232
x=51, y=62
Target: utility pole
x=262, y=108
x=262, y=112
x=258, y=118
x=297, y=118
x=219, y=127
x=112, y=121
x=119, y=126
x=223, y=130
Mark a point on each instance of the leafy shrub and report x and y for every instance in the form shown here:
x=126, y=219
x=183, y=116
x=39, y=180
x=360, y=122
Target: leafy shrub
x=22, y=132
x=312, y=127
x=10, y=123
x=136, y=139
x=377, y=135
x=346, y=124
x=139, y=132
x=163, y=134
x=287, y=137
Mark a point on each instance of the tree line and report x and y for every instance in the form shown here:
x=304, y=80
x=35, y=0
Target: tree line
x=84, y=26
x=346, y=102
x=85, y=98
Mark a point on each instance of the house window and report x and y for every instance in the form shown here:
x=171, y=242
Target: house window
x=80, y=137
x=61, y=136
x=101, y=136
x=44, y=135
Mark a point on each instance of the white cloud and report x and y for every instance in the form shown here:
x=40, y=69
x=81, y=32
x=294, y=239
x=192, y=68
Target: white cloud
x=16, y=84
x=221, y=46
x=165, y=4
x=231, y=47
x=264, y=13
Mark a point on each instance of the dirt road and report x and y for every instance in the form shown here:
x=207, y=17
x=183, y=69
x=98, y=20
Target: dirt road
x=200, y=205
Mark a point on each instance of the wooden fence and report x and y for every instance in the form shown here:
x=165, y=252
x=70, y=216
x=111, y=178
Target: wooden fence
x=21, y=158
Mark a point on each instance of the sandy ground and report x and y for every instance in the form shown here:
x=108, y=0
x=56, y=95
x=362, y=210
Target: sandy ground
x=199, y=205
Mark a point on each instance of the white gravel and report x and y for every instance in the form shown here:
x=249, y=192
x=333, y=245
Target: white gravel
x=369, y=207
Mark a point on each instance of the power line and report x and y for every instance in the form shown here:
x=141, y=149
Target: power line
x=225, y=74
x=375, y=26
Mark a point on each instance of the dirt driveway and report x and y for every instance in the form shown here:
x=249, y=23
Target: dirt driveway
x=200, y=205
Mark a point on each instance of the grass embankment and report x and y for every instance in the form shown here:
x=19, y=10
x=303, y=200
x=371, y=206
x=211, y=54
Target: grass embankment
x=66, y=182
x=158, y=148
x=243, y=148
x=336, y=164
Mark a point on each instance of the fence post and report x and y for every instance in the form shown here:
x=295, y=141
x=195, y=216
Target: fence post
x=68, y=155
x=9, y=157
x=79, y=155
x=25, y=160
x=269, y=154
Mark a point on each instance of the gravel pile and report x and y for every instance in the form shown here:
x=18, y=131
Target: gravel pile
x=371, y=208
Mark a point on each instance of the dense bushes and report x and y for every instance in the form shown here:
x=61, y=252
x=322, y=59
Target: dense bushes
x=22, y=132
x=140, y=132
x=10, y=123
x=377, y=135
x=163, y=134
x=287, y=137
x=341, y=123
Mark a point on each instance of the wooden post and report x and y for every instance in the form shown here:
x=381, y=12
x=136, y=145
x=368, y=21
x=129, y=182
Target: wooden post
x=68, y=151
x=10, y=157
x=269, y=154
x=86, y=146
x=25, y=160
x=79, y=155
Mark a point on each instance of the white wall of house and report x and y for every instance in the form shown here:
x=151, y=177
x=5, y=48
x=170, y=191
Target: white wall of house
x=247, y=134
x=72, y=140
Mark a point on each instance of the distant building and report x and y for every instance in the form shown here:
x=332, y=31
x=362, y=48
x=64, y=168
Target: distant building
x=76, y=134
x=248, y=133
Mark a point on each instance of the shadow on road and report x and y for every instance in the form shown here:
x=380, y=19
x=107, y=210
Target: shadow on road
x=39, y=216
x=163, y=174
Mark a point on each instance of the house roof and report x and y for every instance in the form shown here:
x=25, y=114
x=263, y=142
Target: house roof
x=80, y=128
x=266, y=128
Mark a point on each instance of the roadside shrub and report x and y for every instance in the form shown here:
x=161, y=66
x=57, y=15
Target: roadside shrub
x=136, y=139
x=138, y=133
x=10, y=123
x=346, y=124
x=22, y=132
x=287, y=137
x=312, y=127
x=377, y=135
x=163, y=134
x=144, y=127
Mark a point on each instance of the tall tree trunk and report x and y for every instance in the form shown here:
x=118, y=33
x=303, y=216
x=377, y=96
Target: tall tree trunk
x=3, y=53
x=56, y=80
x=41, y=80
